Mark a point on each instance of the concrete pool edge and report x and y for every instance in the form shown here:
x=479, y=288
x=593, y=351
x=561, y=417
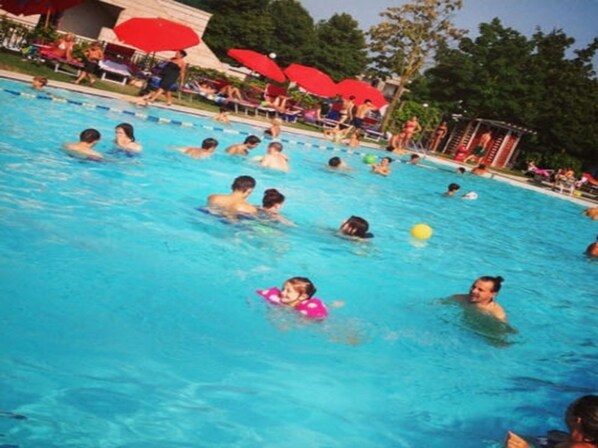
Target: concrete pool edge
x=513, y=180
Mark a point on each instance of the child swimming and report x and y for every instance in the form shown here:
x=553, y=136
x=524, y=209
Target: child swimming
x=297, y=293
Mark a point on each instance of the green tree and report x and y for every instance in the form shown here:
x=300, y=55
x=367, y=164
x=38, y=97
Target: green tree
x=292, y=32
x=340, y=47
x=408, y=37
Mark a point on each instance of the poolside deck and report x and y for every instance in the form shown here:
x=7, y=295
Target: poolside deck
x=522, y=182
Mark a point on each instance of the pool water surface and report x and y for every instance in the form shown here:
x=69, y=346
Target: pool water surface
x=130, y=319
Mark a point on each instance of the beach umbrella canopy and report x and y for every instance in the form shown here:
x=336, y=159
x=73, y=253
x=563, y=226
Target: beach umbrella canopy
x=31, y=7
x=155, y=34
x=258, y=62
x=361, y=91
x=312, y=80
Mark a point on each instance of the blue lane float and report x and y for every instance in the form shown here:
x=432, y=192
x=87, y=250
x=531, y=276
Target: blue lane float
x=168, y=121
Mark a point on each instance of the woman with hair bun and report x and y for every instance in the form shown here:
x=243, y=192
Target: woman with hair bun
x=482, y=296
x=272, y=202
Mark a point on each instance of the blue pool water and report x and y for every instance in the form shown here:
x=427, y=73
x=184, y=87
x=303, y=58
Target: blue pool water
x=131, y=320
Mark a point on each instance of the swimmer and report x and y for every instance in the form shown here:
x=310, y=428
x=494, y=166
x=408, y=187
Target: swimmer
x=242, y=149
x=336, y=163
x=382, y=168
x=83, y=148
x=452, y=189
x=481, y=297
x=208, y=146
x=39, y=82
x=235, y=202
x=274, y=158
x=591, y=212
x=222, y=116
x=592, y=250
x=297, y=294
x=272, y=202
x=274, y=130
x=125, y=139
x=460, y=170
x=356, y=227
x=414, y=159
x=480, y=170
x=355, y=139
x=581, y=419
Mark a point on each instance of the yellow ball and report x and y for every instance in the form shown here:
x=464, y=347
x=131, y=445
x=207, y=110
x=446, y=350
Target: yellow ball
x=421, y=231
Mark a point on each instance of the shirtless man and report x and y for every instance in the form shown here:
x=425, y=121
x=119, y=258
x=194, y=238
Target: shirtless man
x=83, y=148
x=208, y=146
x=480, y=170
x=236, y=202
x=274, y=158
x=242, y=149
x=382, y=168
x=591, y=212
x=481, y=296
x=361, y=113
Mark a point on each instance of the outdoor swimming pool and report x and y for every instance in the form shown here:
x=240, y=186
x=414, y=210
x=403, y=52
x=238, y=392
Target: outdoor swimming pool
x=129, y=319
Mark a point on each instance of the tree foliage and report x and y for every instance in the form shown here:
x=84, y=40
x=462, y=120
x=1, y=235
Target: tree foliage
x=506, y=76
x=408, y=36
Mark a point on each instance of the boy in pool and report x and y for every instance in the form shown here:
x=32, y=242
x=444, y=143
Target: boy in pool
x=208, y=146
x=382, y=168
x=222, y=116
x=39, y=82
x=242, y=149
x=235, y=203
x=83, y=148
x=274, y=158
x=274, y=130
x=336, y=163
x=452, y=189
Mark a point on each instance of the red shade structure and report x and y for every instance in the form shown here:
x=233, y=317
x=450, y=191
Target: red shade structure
x=31, y=7
x=361, y=91
x=155, y=34
x=258, y=62
x=312, y=80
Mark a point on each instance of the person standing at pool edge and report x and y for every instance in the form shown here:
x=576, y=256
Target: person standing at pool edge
x=481, y=297
x=236, y=201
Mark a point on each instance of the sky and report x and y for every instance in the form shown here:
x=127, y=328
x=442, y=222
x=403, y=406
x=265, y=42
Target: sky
x=577, y=18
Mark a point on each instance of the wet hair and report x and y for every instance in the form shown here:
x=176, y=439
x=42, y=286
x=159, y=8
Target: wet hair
x=334, y=162
x=209, y=143
x=303, y=285
x=272, y=197
x=496, y=282
x=461, y=169
x=277, y=146
x=42, y=80
x=356, y=226
x=90, y=135
x=252, y=140
x=482, y=166
x=223, y=110
x=243, y=183
x=414, y=157
x=586, y=410
x=390, y=160
x=183, y=53
x=454, y=187
x=128, y=130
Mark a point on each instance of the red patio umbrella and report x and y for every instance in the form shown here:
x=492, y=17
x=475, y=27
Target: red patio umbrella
x=361, y=91
x=312, y=80
x=258, y=63
x=31, y=7
x=155, y=34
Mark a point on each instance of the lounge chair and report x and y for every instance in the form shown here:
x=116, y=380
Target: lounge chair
x=48, y=53
x=117, y=65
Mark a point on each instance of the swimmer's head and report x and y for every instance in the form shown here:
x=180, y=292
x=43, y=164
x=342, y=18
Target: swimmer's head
x=277, y=121
x=39, y=82
x=209, y=143
x=414, y=158
x=296, y=290
x=355, y=226
x=582, y=415
x=275, y=147
x=482, y=166
x=454, y=187
x=90, y=136
x=386, y=161
x=127, y=129
x=252, y=141
x=273, y=199
x=461, y=170
x=334, y=162
x=223, y=110
x=244, y=184
x=485, y=289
